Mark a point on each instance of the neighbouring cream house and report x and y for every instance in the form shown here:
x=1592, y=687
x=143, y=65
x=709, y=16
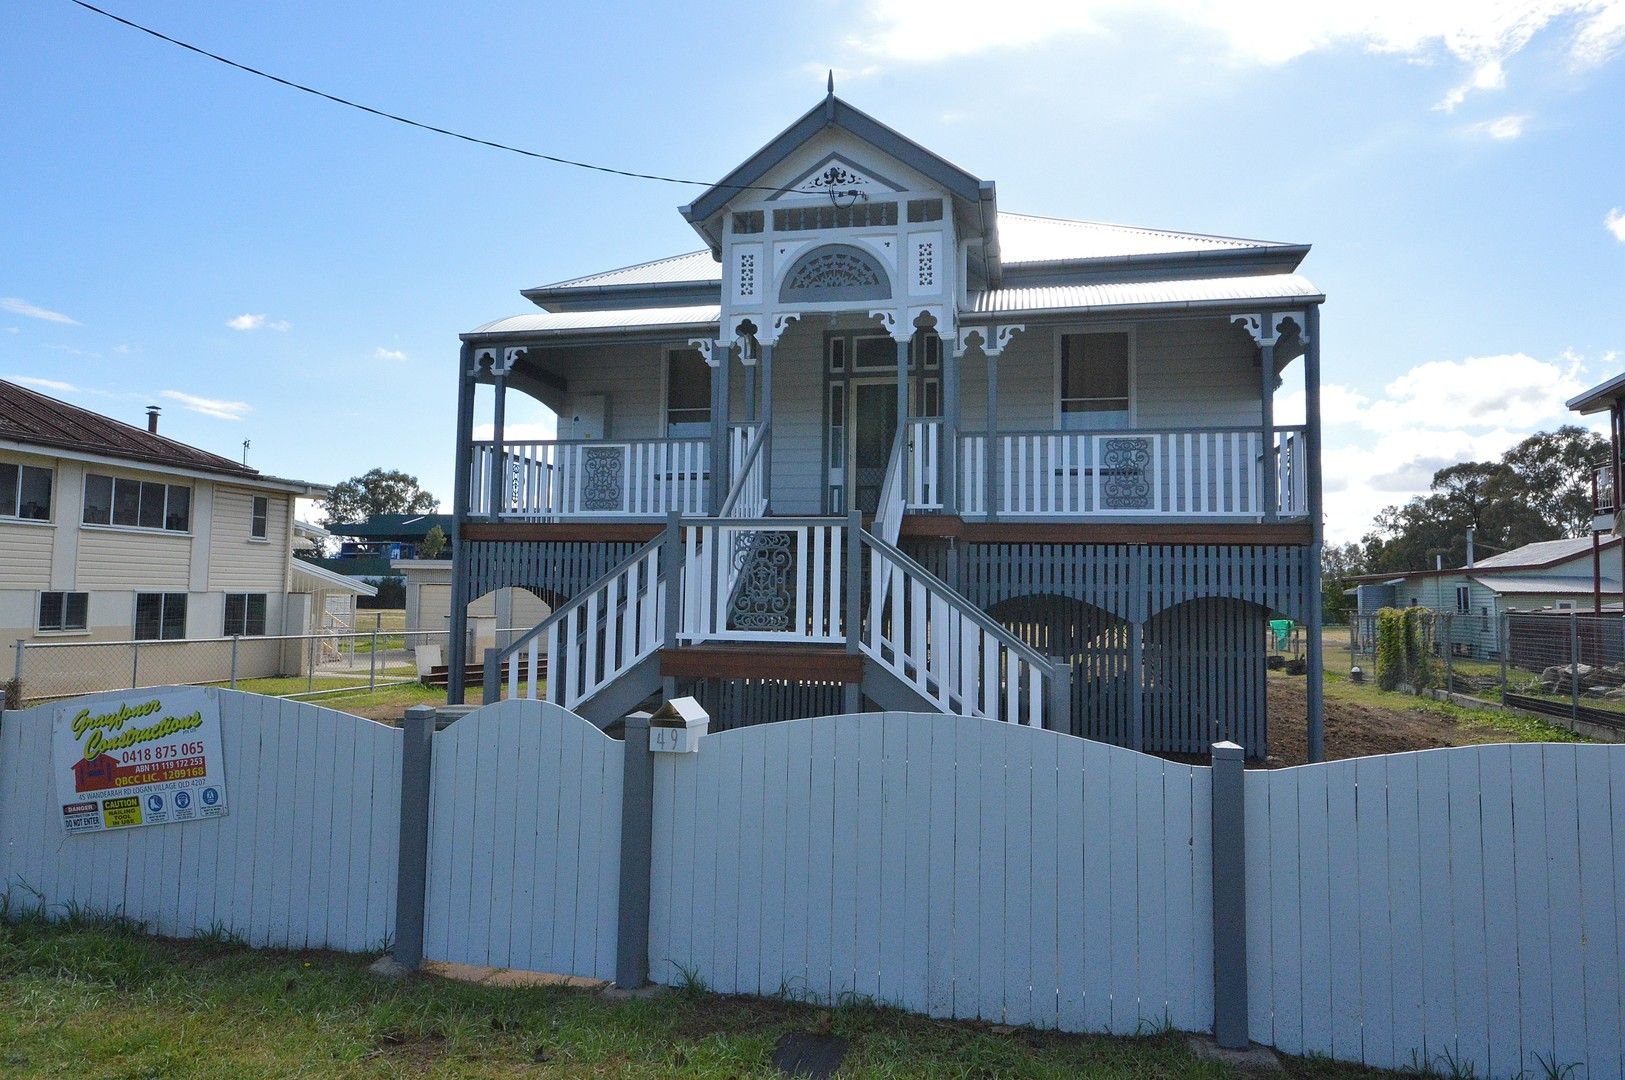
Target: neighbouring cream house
x=114, y=533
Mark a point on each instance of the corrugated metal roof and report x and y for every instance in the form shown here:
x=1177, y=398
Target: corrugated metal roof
x=1536, y=554
x=694, y=266
x=329, y=580
x=1144, y=294
x=1023, y=238
x=563, y=322
x=1535, y=585
x=32, y=418
x=1027, y=238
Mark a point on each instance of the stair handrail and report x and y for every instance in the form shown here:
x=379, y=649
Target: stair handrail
x=753, y=453
x=959, y=601
x=893, y=499
x=493, y=670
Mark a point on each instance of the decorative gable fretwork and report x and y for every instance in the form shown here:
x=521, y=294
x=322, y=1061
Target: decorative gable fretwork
x=839, y=179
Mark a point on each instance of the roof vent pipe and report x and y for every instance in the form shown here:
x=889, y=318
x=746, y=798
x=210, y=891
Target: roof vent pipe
x=152, y=419
x=1470, y=530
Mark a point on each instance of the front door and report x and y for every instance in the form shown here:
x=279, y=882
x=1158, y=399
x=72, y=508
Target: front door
x=873, y=427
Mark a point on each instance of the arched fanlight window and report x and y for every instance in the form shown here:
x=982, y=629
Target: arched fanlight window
x=835, y=272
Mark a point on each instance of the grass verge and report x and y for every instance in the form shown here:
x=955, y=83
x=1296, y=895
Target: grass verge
x=94, y=998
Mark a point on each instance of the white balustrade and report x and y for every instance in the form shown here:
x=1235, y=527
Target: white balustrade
x=937, y=642
x=1131, y=473
x=748, y=496
x=772, y=579
x=638, y=478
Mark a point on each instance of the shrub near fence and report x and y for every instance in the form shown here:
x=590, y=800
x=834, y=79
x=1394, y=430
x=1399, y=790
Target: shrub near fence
x=1458, y=909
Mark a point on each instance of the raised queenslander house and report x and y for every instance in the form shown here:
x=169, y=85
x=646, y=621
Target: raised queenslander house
x=880, y=444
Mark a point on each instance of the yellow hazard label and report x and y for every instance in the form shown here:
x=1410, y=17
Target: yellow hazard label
x=118, y=813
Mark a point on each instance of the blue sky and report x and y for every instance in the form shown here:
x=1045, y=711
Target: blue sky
x=270, y=267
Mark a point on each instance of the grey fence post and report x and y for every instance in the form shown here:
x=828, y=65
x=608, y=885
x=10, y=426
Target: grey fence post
x=1059, y=703
x=1229, y=897
x=637, y=855
x=135, y=664
x=17, y=664
x=1505, y=627
x=671, y=565
x=412, y=867
x=234, y=640
x=1574, y=668
x=492, y=671
x=372, y=662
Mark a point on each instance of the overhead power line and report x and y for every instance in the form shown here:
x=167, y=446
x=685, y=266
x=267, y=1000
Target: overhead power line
x=337, y=100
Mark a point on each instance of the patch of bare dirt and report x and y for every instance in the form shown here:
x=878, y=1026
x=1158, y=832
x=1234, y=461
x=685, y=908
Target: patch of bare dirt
x=1354, y=728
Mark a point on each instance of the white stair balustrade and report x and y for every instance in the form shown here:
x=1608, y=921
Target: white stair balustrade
x=939, y=643
x=747, y=498
x=596, y=637
x=924, y=450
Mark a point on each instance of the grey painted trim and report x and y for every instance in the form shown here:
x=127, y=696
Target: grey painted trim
x=499, y=423
x=671, y=570
x=990, y=462
x=1229, y=897
x=622, y=297
x=950, y=429
x=767, y=418
x=854, y=581
x=637, y=856
x=721, y=417
x=1263, y=257
x=832, y=112
x=1058, y=706
x=491, y=670
x=462, y=454
x=1313, y=587
x=412, y=866
x=903, y=348
x=1266, y=400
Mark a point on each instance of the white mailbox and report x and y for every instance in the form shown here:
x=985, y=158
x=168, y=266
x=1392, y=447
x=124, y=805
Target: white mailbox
x=676, y=727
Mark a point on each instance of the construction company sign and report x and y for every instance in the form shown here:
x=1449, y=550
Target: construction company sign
x=138, y=757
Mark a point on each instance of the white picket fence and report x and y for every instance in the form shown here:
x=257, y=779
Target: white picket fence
x=524, y=842
x=305, y=856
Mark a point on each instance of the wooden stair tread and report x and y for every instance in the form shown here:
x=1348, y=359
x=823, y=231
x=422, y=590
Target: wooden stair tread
x=764, y=660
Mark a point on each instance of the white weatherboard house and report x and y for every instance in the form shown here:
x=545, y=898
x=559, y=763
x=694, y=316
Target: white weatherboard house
x=114, y=533
x=1074, y=505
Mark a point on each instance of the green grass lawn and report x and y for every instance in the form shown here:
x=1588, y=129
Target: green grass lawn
x=95, y=1001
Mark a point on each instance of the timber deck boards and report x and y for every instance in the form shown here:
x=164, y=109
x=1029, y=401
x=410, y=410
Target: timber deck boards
x=802, y=663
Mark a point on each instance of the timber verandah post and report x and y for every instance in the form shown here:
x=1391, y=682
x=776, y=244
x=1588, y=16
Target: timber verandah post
x=456, y=647
x=1314, y=616
x=1229, y=854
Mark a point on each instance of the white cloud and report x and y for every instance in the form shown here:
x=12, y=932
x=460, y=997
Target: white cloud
x=246, y=322
x=220, y=410
x=44, y=384
x=1502, y=127
x=382, y=353
x=1615, y=223
x=1480, y=34
x=23, y=307
x=1383, y=450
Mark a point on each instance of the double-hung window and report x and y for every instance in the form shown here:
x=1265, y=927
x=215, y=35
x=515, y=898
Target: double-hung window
x=688, y=394
x=1094, y=381
x=245, y=614
x=160, y=616
x=258, y=517
x=62, y=611
x=25, y=492
x=142, y=504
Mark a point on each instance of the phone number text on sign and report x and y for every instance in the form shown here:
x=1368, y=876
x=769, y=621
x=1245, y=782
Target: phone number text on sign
x=139, y=757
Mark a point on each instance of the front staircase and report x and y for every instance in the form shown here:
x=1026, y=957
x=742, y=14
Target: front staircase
x=743, y=595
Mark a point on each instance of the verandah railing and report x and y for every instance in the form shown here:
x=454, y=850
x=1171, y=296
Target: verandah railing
x=1215, y=472
x=590, y=478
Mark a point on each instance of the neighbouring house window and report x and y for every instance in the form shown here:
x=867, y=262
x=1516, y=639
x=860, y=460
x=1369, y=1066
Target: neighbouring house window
x=1464, y=600
x=25, y=492
x=1094, y=381
x=262, y=511
x=144, y=504
x=160, y=616
x=245, y=614
x=688, y=394
x=60, y=611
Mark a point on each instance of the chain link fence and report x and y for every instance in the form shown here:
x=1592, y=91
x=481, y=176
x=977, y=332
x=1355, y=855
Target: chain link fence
x=1568, y=666
x=281, y=665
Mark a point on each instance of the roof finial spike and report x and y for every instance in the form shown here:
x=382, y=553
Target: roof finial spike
x=831, y=82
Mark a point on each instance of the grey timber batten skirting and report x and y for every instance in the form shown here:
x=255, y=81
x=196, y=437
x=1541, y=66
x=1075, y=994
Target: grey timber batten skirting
x=555, y=570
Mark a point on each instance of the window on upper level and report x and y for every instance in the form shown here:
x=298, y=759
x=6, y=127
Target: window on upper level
x=1094, y=381
x=924, y=210
x=25, y=492
x=748, y=221
x=824, y=216
x=259, y=517
x=688, y=394
x=142, y=504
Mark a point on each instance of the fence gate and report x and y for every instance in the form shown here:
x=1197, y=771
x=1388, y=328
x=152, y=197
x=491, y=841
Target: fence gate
x=524, y=842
